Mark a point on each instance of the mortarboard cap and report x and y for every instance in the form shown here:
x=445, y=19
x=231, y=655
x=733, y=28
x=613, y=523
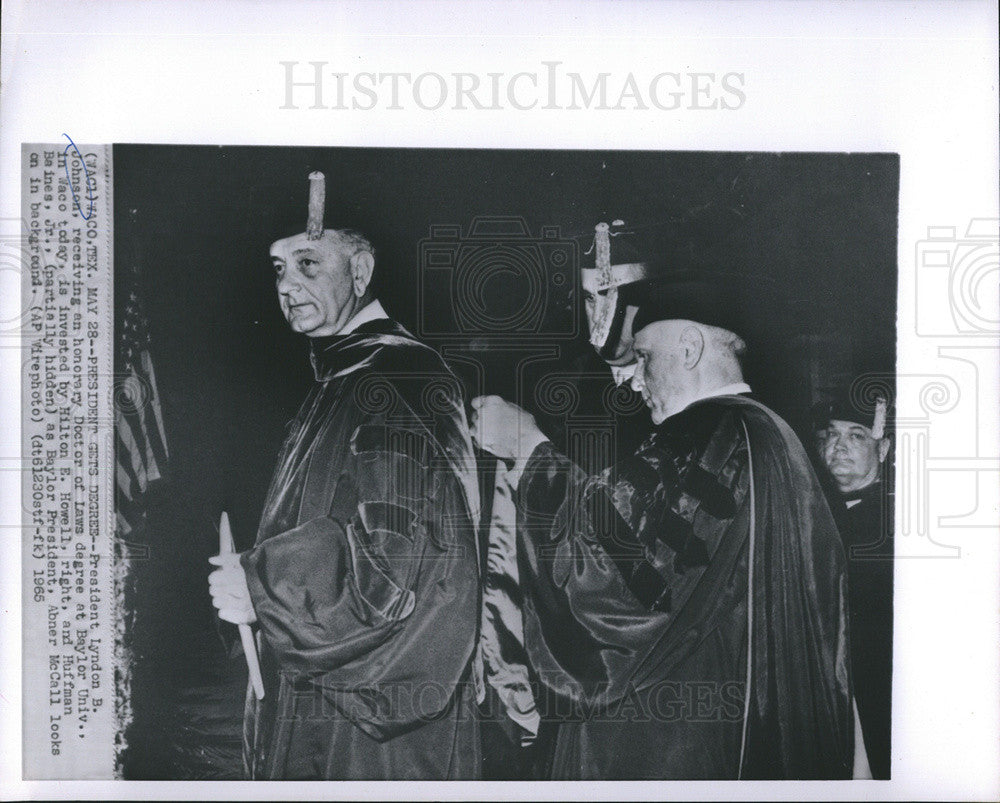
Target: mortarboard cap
x=868, y=408
x=707, y=297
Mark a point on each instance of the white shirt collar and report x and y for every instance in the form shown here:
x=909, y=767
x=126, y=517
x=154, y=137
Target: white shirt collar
x=726, y=390
x=370, y=312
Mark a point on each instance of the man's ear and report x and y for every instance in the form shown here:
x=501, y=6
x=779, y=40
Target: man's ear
x=693, y=343
x=883, y=449
x=362, y=266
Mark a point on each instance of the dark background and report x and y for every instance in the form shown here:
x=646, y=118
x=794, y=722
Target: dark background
x=195, y=223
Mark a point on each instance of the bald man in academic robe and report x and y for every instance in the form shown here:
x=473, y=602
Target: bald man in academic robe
x=686, y=608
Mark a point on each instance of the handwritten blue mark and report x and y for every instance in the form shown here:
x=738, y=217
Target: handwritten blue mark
x=90, y=192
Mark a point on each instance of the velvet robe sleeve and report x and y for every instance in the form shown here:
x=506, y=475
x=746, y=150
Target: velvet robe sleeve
x=601, y=620
x=357, y=599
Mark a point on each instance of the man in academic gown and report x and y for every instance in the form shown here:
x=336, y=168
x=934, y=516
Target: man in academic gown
x=687, y=606
x=854, y=447
x=363, y=581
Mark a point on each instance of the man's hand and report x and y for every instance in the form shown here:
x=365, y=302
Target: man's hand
x=504, y=429
x=228, y=587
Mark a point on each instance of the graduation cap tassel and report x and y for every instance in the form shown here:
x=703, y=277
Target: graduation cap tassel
x=878, y=425
x=602, y=255
x=606, y=308
x=317, y=202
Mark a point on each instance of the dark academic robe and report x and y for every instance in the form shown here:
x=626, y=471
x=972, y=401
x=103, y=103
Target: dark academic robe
x=364, y=576
x=636, y=605
x=867, y=530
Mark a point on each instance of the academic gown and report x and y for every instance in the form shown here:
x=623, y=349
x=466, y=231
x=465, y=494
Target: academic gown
x=364, y=575
x=636, y=603
x=867, y=531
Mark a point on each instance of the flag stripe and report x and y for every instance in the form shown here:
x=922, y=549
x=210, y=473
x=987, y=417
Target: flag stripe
x=140, y=443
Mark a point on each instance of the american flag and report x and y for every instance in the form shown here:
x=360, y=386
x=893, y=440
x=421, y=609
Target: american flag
x=140, y=442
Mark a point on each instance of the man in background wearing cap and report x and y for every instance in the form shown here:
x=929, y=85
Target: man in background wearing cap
x=854, y=447
x=687, y=605
x=363, y=580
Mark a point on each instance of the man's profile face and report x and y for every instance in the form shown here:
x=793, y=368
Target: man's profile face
x=659, y=367
x=609, y=317
x=614, y=350
x=313, y=280
x=852, y=454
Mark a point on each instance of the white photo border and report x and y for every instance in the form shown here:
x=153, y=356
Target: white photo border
x=917, y=79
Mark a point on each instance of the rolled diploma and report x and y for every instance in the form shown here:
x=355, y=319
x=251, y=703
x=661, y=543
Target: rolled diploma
x=246, y=634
